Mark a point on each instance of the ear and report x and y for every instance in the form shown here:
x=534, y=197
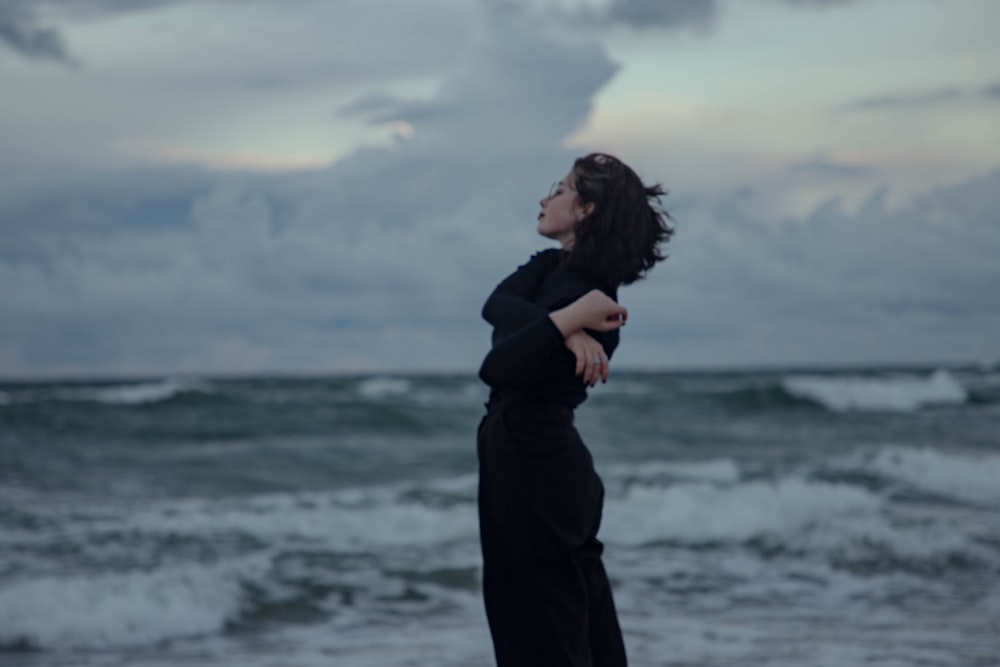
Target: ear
x=583, y=211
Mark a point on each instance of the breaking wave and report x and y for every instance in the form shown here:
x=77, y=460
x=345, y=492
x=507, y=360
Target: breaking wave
x=364, y=548
x=957, y=477
x=118, y=610
x=123, y=394
x=859, y=393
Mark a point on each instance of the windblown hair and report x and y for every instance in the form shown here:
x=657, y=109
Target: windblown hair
x=619, y=242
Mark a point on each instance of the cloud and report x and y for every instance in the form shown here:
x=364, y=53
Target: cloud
x=34, y=29
x=925, y=98
x=380, y=109
x=21, y=29
x=871, y=285
x=198, y=93
x=381, y=105
x=381, y=260
x=661, y=13
x=818, y=3
x=188, y=271
x=824, y=167
x=248, y=160
x=22, y=33
x=919, y=99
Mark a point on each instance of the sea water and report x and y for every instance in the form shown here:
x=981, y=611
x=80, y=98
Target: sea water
x=753, y=518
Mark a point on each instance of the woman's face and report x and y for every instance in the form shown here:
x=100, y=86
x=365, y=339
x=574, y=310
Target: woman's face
x=561, y=211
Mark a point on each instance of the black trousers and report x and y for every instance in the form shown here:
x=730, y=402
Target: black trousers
x=548, y=599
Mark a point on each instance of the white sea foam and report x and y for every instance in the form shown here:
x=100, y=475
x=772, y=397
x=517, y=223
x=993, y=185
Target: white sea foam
x=821, y=522
x=697, y=513
x=467, y=394
x=824, y=525
x=713, y=470
x=134, y=393
x=384, y=387
x=351, y=520
x=898, y=393
x=459, y=640
x=963, y=477
x=119, y=610
x=625, y=387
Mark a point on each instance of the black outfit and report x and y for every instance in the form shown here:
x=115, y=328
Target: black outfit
x=548, y=599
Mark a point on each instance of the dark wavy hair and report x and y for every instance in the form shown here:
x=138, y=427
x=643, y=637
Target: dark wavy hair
x=619, y=242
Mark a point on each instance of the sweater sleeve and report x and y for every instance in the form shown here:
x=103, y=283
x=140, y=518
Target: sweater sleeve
x=535, y=353
x=529, y=355
x=510, y=307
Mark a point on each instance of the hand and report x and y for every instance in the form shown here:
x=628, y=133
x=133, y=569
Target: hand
x=586, y=349
x=594, y=310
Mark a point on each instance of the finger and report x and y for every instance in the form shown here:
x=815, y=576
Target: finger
x=617, y=316
x=610, y=325
x=579, y=361
x=605, y=368
x=589, y=378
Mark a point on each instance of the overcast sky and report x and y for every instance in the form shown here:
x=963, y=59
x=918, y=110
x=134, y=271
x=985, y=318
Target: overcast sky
x=321, y=186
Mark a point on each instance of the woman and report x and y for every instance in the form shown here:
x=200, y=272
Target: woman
x=556, y=324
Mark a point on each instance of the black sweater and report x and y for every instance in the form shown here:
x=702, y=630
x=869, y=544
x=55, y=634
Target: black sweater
x=528, y=355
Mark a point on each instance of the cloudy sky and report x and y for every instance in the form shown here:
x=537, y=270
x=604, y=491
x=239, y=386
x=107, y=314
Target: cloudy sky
x=227, y=186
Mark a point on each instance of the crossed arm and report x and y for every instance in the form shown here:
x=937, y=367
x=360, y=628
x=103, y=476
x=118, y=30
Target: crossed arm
x=528, y=338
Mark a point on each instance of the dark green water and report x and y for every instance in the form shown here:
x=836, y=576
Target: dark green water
x=849, y=516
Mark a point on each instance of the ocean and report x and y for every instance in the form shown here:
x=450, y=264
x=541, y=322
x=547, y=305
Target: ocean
x=770, y=518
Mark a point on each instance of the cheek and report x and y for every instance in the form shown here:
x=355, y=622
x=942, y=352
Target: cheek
x=565, y=215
